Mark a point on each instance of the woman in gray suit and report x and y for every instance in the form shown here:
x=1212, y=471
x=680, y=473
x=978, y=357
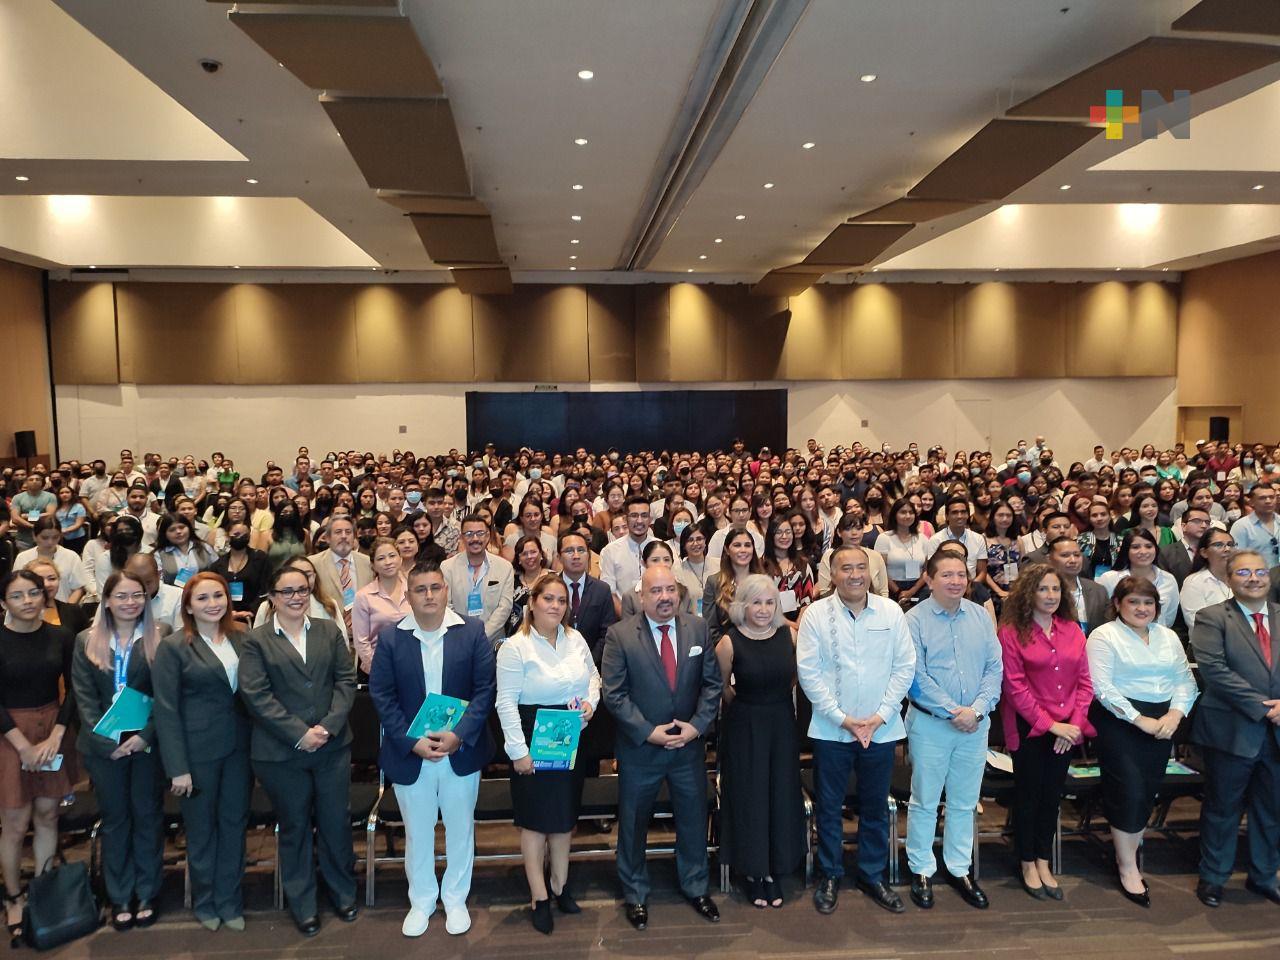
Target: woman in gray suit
x=204, y=744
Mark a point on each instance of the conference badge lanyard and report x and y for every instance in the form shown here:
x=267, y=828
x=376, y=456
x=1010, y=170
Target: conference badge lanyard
x=475, y=598
x=122, y=663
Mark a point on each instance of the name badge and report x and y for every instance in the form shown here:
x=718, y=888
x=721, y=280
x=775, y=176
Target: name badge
x=348, y=598
x=237, y=591
x=475, y=604
x=33, y=515
x=1010, y=572
x=699, y=606
x=911, y=569
x=1222, y=475
x=787, y=601
x=183, y=576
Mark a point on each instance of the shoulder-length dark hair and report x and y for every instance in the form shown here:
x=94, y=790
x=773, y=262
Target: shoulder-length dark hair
x=1134, y=533
x=1019, y=606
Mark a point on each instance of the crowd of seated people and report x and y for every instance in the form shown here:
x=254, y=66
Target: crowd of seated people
x=1091, y=609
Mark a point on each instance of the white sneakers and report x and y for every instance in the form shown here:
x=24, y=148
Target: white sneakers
x=457, y=920
x=415, y=923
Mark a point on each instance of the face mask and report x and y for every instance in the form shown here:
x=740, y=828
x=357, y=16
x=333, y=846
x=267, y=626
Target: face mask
x=100, y=473
x=413, y=498
x=366, y=539
x=1151, y=481
x=974, y=471
x=120, y=485
x=240, y=542
x=1011, y=461
x=477, y=463
x=451, y=473
x=1024, y=476
x=875, y=501
x=535, y=473
x=679, y=527
x=1248, y=461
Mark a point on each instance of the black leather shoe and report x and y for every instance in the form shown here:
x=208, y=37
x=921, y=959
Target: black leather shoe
x=637, y=915
x=542, y=920
x=825, y=895
x=1271, y=893
x=922, y=891
x=706, y=908
x=146, y=914
x=1038, y=893
x=970, y=892
x=565, y=902
x=882, y=894
x=1142, y=899
x=347, y=914
x=309, y=926
x=1210, y=894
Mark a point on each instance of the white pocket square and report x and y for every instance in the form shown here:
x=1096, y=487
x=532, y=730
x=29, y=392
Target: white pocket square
x=694, y=651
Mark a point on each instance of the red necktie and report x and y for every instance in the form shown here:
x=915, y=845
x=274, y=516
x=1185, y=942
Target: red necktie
x=668, y=655
x=574, y=603
x=1264, y=636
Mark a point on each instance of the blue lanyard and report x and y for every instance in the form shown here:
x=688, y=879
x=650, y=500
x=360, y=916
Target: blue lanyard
x=122, y=664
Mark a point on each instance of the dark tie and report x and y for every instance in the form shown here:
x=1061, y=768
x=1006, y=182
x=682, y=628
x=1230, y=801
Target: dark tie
x=574, y=603
x=668, y=655
x=1264, y=636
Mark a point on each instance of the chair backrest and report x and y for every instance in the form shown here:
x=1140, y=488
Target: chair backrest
x=366, y=731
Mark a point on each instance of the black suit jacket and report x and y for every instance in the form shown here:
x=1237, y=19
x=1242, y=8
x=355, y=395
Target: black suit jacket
x=596, y=614
x=198, y=717
x=1097, y=605
x=287, y=697
x=95, y=690
x=636, y=690
x=1174, y=558
x=1230, y=715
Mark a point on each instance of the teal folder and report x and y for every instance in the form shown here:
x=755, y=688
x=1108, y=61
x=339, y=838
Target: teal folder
x=129, y=711
x=437, y=714
x=554, y=745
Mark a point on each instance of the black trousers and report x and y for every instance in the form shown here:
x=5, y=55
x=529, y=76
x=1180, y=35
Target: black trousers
x=1038, y=775
x=1233, y=785
x=216, y=818
x=312, y=792
x=638, y=785
x=130, y=797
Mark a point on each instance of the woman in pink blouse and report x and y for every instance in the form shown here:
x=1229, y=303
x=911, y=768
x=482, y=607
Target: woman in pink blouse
x=1047, y=693
x=379, y=603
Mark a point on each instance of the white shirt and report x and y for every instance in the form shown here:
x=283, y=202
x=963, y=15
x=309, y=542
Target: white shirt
x=166, y=606
x=715, y=548
x=1123, y=667
x=226, y=654
x=855, y=666
x=620, y=563
x=1166, y=586
x=532, y=671
x=974, y=542
x=904, y=561
x=1201, y=589
x=655, y=628
x=298, y=643
x=432, y=642
x=71, y=572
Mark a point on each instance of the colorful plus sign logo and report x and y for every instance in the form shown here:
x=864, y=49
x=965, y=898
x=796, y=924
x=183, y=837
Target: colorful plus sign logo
x=1115, y=114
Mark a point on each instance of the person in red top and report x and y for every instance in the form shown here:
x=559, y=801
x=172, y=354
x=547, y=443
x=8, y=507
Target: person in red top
x=1047, y=692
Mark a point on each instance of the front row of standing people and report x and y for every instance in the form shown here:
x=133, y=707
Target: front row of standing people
x=284, y=689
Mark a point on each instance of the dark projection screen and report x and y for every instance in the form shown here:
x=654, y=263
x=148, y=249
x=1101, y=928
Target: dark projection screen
x=630, y=420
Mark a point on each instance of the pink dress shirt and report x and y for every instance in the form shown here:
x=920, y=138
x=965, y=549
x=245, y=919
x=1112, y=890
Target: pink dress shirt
x=1046, y=681
x=374, y=609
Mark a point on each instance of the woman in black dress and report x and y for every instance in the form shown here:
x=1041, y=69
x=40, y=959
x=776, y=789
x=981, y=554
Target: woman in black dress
x=35, y=658
x=761, y=822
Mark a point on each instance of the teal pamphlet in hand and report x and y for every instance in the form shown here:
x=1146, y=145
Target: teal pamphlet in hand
x=554, y=745
x=437, y=714
x=129, y=711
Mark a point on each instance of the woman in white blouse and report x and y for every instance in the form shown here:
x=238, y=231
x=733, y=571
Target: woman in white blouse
x=1207, y=582
x=1142, y=688
x=903, y=547
x=1137, y=558
x=545, y=666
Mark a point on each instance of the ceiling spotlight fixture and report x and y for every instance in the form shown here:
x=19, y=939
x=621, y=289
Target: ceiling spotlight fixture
x=1065, y=186
x=719, y=239
x=585, y=74
x=251, y=180
x=868, y=78
x=875, y=269
x=574, y=241
x=93, y=266
x=573, y=256
x=690, y=270
x=575, y=217
x=702, y=256
x=236, y=267
x=741, y=216
x=768, y=186
x=581, y=141
x=808, y=145
x=1117, y=269
x=1256, y=186
x=573, y=268
x=21, y=179
x=577, y=186
x=1164, y=269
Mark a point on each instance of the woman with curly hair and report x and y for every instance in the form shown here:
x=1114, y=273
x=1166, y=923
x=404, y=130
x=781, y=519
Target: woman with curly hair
x=1045, y=712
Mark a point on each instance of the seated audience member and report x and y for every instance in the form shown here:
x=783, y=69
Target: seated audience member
x=1209, y=581
x=530, y=564
x=74, y=579
x=903, y=547
x=179, y=554
x=657, y=553
x=380, y=603
x=740, y=560
x=1137, y=558
x=975, y=544
x=851, y=533
x=481, y=584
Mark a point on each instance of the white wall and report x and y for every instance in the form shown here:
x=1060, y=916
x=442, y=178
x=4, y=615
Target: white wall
x=253, y=424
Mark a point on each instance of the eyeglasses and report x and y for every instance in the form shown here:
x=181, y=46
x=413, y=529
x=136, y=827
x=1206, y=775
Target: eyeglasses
x=31, y=594
x=128, y=597
x=1221, y=545
x=475, y=534
x=427, y=588
x=573, y=551
x=1251, y=574
x=290, y=592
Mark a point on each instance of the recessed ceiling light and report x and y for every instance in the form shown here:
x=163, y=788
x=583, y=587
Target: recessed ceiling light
x=251, y=180
x=574, y=241
x=577, y=186
x=575, y=217
x=1065, y=186
x=585, y=74
x=581, y=141
x=808, y=145
x=997, y=269
x=690, y=270
x=1117, y=269
x=573, y=268
x=22, y=179
x=236, y=267
x=93, y=266
x=868, y=78
x=1164, y=269
x=768, y=186
x=573, y=256
x=702, y=256
x=741, y=216
x=1256, y=186
x=875, y=269
x=719, y=239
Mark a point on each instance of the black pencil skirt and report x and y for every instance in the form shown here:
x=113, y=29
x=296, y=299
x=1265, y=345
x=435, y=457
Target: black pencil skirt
x=1131, y=763
x=546, y=801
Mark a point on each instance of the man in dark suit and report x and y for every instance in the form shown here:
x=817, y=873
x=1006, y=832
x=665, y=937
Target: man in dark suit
x=1237, y=724
x=298, y=680
x=1093, y=606
x=434, y=650
x=1052, y=526
x=591, y=610
x=662, y=684
x=1179, y=556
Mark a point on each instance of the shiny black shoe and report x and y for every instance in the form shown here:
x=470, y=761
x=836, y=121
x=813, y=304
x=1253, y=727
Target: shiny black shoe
x=1053, y=893
x=637, y=915
x=541, y=916
x=151, y=914
x=706, y=908
x=565, y=902
x=309, y=926
x=773, y=893
x=1036, y=893
x=347, y=914
x=922, y=891
x=969, y=891
x=825, y=895
x=882, y=895
x=1142, y=899
x=1270, y=893
x=1210, y=894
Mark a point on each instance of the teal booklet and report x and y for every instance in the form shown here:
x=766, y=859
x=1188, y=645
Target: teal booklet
x=437, y=714
x=129, y=711
x=554, y=745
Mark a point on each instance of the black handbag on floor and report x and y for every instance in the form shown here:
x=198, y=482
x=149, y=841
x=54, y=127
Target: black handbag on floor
x=60, y=907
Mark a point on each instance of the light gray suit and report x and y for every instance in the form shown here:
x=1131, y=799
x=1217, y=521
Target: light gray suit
x=497, y=591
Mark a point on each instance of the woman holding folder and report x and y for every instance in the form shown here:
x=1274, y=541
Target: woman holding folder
x=545, y=666
x=204, y=743
x=110, y=667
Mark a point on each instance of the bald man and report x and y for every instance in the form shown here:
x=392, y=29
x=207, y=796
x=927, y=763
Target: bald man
x=166, y=600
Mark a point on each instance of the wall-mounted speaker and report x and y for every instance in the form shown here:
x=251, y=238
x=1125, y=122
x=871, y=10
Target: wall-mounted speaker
x=24, y=444
x=1219, y=429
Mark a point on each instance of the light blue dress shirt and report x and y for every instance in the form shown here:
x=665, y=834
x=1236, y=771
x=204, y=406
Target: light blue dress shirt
x=958, y=659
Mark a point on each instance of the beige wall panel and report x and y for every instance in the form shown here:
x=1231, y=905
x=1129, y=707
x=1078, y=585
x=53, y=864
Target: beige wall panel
x=1153, y=330
x=413, y=333
x=1010, y=330
x=927, y=314
x=83, y=317
x=1118, y=329
x=653, y=333
x=537, y=333
x=300, y=333
x=178, y=333
x=815, y=334
x=25, y=392
x=872, y=340
x=755, y=331
x=611, y=332
x=698, y=335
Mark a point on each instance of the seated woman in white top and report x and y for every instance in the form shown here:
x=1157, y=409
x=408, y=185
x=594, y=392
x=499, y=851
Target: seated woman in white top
x=74, y=579
x=657, y=553
x=694, y=567
x=902, y=546
x=850, y=532
x=531, y=521
x=739, y=514
x=1137, y=558
x=1206, y=584
x=545, y=665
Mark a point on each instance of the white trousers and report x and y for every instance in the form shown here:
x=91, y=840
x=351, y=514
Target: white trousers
x=439, y=794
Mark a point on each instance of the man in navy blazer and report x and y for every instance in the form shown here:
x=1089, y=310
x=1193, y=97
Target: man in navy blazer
x=434, y=650
x=591, y=609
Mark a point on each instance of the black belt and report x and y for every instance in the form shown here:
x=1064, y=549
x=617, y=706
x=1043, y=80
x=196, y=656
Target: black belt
x=927, y=712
